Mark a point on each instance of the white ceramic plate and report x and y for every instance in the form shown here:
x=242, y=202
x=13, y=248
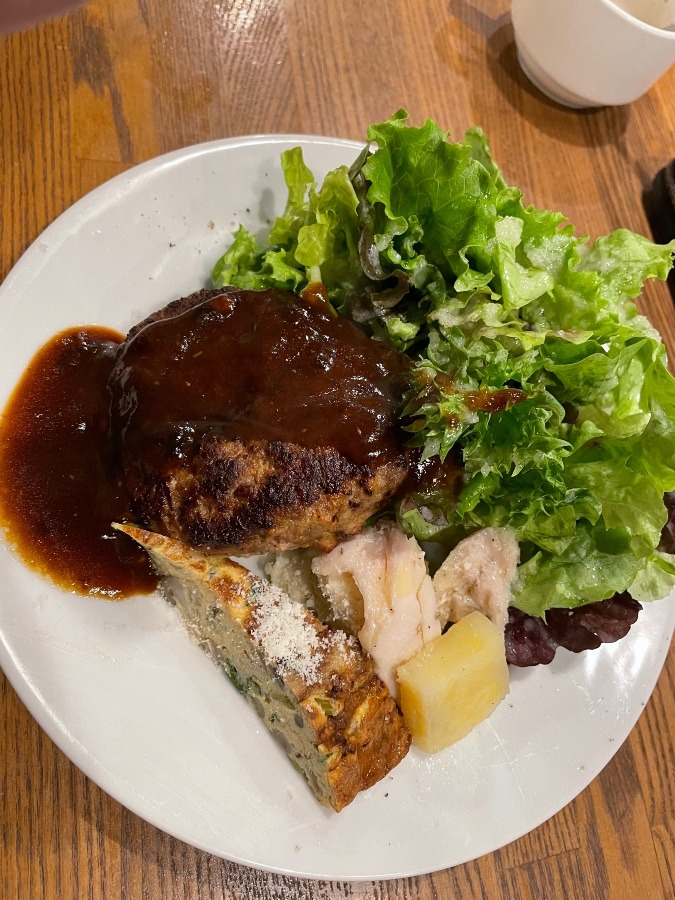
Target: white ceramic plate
x=145, y=714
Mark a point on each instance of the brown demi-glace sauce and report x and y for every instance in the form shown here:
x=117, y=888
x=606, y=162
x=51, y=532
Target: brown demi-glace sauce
x=58, y=495
x=257, y=365
x=265, y=366
x=287, y=369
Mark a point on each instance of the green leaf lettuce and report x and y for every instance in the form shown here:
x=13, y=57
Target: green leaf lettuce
x=424, y=244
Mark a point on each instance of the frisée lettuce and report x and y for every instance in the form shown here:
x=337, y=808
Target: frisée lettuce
x=424, y=245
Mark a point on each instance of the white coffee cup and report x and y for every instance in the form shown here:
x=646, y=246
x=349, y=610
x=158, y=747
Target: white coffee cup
x=585, y=53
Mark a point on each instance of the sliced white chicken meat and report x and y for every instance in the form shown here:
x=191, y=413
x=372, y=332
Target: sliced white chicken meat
x=478, y=574
x=378, y=585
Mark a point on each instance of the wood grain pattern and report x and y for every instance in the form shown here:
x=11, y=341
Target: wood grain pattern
x=84, y=97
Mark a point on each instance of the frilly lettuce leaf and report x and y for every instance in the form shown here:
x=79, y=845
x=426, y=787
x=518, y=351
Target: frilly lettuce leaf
x=427, y=247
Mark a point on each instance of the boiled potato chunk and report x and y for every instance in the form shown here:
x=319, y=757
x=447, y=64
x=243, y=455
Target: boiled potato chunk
x=454, y=682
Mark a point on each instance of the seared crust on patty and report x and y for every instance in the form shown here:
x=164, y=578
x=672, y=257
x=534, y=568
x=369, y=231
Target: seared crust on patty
x=249, y=497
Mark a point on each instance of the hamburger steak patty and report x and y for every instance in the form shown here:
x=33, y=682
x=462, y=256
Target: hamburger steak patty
x=253, y=421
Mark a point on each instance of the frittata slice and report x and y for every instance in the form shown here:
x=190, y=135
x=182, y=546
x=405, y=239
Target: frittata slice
x=314, y=688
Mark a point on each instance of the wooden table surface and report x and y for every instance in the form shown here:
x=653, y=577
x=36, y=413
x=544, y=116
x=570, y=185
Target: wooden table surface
x=87, y=96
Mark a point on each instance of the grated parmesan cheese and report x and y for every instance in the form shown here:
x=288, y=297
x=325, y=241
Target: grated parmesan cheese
x=288, y=642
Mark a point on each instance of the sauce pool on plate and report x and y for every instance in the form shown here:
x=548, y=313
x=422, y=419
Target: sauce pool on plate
x=59, y=493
